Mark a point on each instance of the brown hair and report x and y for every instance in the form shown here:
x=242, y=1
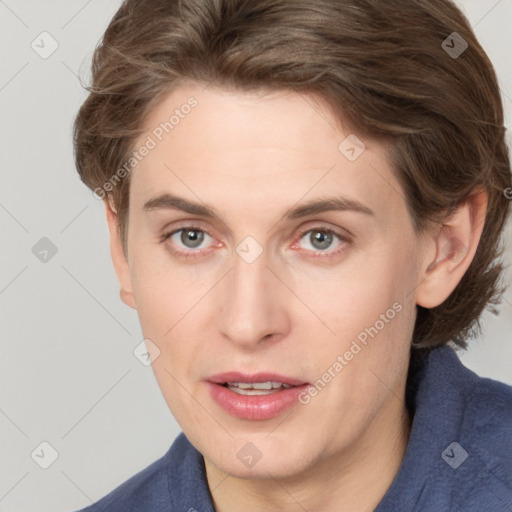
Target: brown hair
x=391, y=68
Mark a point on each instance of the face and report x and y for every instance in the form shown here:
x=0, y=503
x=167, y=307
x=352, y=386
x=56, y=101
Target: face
x=242, y=284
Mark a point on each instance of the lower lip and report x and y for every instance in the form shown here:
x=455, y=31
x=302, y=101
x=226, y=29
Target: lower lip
x=255, y=407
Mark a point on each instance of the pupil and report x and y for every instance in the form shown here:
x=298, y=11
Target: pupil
x=323, y=238
x=194, y=236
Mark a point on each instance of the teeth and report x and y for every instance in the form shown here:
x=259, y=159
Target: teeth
x=253, y=385
x=241, y=391
x=256, y=388
x=262, y=385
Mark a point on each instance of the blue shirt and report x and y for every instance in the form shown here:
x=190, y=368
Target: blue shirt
x=458, y=458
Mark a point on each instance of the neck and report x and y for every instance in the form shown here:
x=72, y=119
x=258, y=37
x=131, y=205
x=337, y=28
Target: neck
x=355, y=479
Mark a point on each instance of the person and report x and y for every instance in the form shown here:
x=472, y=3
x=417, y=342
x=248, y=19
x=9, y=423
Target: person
x=306, y=203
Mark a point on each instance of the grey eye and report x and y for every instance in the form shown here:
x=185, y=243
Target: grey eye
x=188, y=238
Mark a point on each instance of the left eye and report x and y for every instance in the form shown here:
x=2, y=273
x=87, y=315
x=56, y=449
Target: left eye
x=321, y=239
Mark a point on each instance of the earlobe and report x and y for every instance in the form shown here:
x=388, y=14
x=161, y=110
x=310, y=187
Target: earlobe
x=454, y=246
x=119, y=259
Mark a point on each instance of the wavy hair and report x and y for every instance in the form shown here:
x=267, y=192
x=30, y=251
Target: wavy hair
x=390, y=68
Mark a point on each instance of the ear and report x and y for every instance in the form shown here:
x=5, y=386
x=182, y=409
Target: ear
x=450, y=251
x=118, y=256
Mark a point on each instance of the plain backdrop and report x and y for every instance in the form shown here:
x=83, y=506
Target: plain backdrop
x=68, y=374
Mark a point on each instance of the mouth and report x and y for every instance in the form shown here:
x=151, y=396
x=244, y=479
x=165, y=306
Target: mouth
x=259, y=396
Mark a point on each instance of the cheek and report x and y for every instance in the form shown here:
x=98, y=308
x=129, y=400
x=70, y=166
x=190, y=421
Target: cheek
x=372, y=311
x=383, y=312
x=165, y=306
x=163, y=293
x=170, y=306
x=366, y=289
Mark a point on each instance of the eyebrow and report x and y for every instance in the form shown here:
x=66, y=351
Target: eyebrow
x=172, y=202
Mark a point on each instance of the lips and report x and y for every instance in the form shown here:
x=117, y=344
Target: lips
x=259, y=396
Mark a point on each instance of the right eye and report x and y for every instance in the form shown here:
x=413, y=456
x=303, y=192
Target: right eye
x=187, y=239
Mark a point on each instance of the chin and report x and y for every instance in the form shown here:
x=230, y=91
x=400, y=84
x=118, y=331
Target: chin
x=254, y=457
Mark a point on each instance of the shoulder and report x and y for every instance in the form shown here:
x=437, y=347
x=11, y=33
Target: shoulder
x=485, y=432
x=459, y=455
x=487, y=403
x=489, y=429
x=140, y=492
x=148, y=490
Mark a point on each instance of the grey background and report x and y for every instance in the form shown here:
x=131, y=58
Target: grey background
x=68, y=374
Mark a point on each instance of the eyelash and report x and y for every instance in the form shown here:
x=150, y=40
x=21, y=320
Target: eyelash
x=192, y=254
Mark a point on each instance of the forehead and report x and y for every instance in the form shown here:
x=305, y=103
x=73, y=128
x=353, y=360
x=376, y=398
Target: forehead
x=250, y=150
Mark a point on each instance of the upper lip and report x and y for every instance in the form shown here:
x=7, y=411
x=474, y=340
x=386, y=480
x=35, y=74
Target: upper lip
x=225, y=377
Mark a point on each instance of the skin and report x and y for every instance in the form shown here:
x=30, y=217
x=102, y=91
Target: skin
x=253, y=157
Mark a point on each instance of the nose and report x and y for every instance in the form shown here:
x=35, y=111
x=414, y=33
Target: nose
x=252, y=305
